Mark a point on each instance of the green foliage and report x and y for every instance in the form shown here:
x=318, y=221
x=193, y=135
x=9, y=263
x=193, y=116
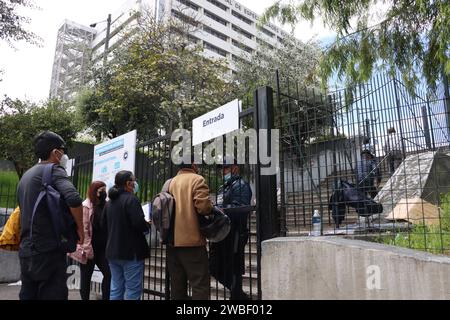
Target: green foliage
x=434, y=239
x=412, y=37
x=12, y=23
x=8, y=178
x=20, y=121
x=155, y=77
x=8, y=183
x=295, y=61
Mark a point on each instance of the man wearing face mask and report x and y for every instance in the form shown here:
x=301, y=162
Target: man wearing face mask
x=227, y=258
x=92, y=251
x=43, y=265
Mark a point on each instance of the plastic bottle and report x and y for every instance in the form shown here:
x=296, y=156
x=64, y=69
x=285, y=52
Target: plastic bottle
x=316, y=224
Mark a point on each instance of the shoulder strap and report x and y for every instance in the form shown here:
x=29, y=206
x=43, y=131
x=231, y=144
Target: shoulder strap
x=166, y=185
x=47, y=174
x=36, y=204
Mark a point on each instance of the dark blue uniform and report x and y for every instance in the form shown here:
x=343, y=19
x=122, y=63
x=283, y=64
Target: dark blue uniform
x=227, y=263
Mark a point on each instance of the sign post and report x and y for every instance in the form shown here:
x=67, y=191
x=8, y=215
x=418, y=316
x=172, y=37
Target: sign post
x=113, y=156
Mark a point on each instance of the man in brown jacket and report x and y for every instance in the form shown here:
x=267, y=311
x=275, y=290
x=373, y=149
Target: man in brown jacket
x=187, y=258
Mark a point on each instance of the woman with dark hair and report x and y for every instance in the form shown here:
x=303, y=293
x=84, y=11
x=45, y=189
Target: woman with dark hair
x=92, y=251
x=126, y=247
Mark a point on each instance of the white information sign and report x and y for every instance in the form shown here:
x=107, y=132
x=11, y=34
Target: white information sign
x=113, y=156
x=97, y=275
x=69, y=167
x=147, y=208
x=218, y=122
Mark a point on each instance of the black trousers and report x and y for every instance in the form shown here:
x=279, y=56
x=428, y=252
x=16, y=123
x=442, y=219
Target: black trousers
x=227, y=258
x=188, y=264
x=44, y=277
x=86, y=274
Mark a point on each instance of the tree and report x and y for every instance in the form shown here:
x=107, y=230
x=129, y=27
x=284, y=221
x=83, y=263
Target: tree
x=296, y=64
x=20, y=121
x=412, y=37
x=12, y=23
x=156, y=76
x=295, y=61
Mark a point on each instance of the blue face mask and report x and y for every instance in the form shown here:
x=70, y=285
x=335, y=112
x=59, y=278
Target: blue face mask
x=227, y=177
x=136, y=187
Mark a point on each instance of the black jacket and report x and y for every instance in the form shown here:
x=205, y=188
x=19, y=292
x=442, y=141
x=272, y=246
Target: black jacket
x=126, y=226
x=28, y=190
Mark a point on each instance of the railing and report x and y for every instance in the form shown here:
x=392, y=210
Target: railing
x=322, y=139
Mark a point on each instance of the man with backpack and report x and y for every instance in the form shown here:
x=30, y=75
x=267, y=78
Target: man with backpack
x=187, y=257
x=43, y=245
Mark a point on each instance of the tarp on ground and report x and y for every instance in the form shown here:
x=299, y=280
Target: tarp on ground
x=415, y=210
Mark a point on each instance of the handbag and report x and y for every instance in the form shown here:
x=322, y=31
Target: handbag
x=216, y=226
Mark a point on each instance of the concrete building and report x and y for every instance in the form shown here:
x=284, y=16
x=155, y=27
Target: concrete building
x=224, y=28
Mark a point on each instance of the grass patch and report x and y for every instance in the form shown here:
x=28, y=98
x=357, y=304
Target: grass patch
x=433, y=239
x=8, y=185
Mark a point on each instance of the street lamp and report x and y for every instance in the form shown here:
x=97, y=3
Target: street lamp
x=108, y=31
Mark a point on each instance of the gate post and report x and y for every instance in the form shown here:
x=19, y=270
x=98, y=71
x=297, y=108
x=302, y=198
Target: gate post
x=267, y=219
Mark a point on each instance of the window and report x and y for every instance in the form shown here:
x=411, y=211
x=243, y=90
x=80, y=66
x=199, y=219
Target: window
x=215, y=49
x=236, y=58
x=243, y=32
x=241, y=17
x=242, y=46
x=193, y=39
x=189, y=4
x=216, y=18
x=215, y=33
x=267, y=32
x=264, y=43
x=184, y=18
x=218, y=4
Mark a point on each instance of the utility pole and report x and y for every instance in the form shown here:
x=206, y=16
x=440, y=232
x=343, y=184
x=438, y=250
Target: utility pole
x=108, y=31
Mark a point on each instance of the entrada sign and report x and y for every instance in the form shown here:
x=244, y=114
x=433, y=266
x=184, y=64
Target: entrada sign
x=218, y=122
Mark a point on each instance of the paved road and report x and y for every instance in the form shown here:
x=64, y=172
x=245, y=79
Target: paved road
x=12, y=293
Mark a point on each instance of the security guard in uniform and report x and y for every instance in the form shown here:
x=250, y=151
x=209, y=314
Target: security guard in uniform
x=227, y=258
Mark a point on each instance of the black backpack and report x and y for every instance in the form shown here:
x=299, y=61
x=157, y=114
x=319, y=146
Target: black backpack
x=66, y=236
x=163, y=214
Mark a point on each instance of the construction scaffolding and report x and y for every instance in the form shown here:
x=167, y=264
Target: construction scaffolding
x=72, y=57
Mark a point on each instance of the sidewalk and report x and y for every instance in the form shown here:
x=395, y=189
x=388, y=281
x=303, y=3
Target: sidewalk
x=12, y=293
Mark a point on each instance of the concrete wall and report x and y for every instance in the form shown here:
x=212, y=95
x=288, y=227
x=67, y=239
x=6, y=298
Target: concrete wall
x=337, y=268
x=9, y=266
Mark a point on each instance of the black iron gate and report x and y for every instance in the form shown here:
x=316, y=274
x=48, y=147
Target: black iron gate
x=154, y=166
x=324, y=137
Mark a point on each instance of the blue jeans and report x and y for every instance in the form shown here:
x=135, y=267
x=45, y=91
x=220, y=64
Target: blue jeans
x=126, y=279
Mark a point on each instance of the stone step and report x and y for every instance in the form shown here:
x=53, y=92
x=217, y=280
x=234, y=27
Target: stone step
x=248, y=281
x=218, y=292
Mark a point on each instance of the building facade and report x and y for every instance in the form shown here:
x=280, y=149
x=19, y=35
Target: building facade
x=224, y=28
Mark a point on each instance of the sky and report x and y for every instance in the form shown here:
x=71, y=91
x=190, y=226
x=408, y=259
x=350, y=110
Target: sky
x=27, y=68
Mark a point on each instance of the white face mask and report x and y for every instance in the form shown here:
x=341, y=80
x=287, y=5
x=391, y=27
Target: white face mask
x=63, y=161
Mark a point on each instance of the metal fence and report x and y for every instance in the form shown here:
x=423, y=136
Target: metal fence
x=8, y=201
x=154, y=166
x=323, y=137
